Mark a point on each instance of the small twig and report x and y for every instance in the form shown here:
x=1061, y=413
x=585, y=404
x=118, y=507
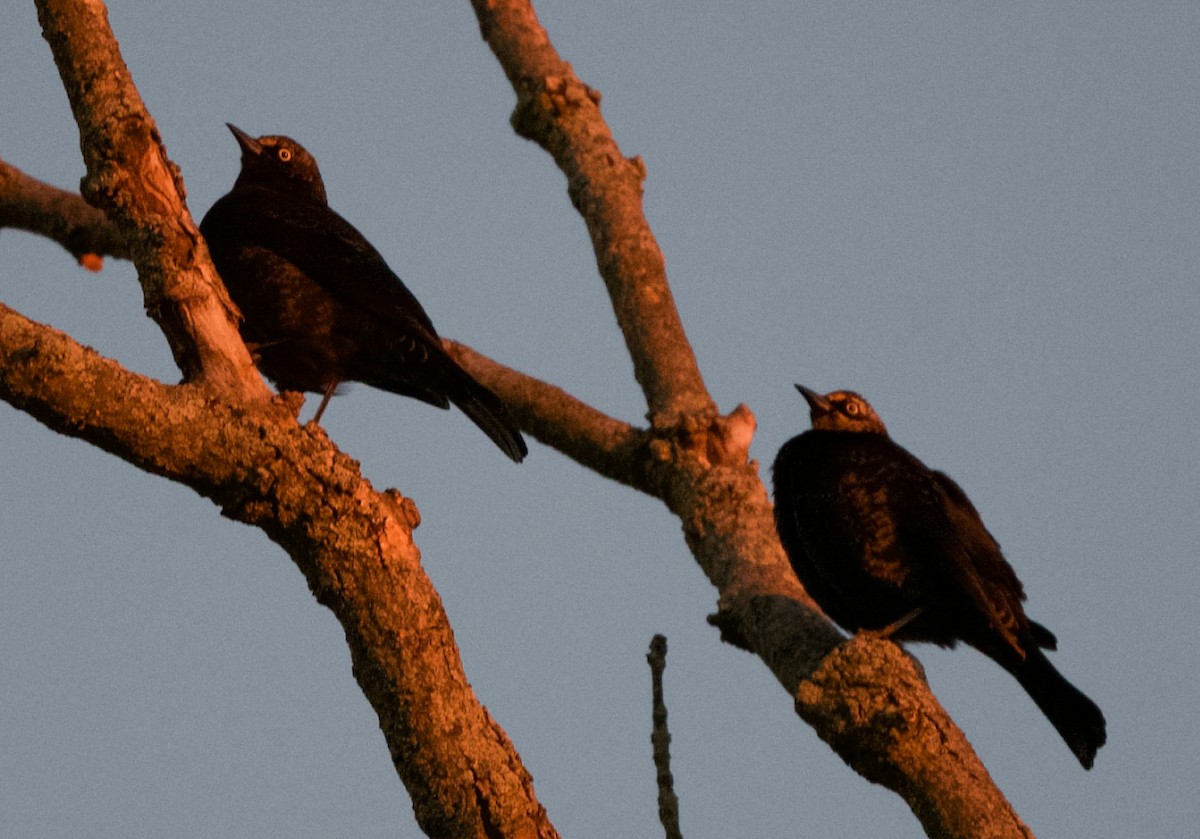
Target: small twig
x=611, y=447
x=660, y=740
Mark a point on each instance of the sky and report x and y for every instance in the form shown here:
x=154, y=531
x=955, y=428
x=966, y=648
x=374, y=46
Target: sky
x=980, y=216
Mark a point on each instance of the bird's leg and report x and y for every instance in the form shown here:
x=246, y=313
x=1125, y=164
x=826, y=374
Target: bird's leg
x=316, y=420
x=885, y=633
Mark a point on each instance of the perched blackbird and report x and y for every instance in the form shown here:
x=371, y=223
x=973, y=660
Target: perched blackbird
x=319, y=304
x=886, y=545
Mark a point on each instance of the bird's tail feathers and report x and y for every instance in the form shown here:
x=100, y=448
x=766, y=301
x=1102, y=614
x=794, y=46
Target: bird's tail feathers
x=1076, y=718
x=487, y=411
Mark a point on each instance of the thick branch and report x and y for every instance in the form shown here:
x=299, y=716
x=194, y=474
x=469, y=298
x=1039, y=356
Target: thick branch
x=872, y=706
x=866, y=699
x=917, y=750
x=29, y=204
x=139, y=189
x=562, y=114
x=697, y=464
x=353, y=544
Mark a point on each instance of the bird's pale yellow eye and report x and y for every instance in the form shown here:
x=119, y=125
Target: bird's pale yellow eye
x=285, y=155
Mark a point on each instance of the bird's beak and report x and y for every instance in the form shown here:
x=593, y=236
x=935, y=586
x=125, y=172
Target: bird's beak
x=250, y=146
x=818, y=403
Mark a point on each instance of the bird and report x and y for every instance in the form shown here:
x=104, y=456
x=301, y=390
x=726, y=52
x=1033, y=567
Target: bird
x=319, y=304
x=889, y=547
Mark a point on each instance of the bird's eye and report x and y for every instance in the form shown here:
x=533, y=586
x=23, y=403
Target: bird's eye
x=284, y=154
x=852, y=409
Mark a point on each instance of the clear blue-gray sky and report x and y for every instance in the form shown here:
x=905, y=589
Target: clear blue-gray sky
x=983, y=218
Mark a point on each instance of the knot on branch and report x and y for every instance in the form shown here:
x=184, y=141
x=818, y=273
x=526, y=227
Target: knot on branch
x=403, y=507
x=133, y=182
x=707, y=439
x=541, y=102
x=291, y=401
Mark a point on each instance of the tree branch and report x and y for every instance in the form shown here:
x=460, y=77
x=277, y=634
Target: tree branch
x=870, y=702
x=353, y=544
x=38, y=207
x=697, y=464
x=562, y=114
x=552, y=416
x=660, y=740
x=139, y=189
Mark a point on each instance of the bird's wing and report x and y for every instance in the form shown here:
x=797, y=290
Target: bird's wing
x=331, y=251
x=942, y=524
x=983, y=547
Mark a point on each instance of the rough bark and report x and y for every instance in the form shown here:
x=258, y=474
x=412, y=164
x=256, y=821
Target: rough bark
x=353, y=544
x=131, y=179
x=562, y=114
x=220, y=434
x=698, y=465
x=61, y=216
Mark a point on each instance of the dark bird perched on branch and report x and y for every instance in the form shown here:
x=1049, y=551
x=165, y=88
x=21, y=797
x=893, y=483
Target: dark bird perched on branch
x=886, y=545
x=319, y=304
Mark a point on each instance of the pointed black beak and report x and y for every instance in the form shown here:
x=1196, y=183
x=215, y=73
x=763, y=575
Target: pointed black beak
x=816, y=402
x=250, y=146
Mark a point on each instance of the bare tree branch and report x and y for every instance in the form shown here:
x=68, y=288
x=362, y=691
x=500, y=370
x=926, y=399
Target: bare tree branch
x=605, y=445
x=870, y=702
x=139, y=189
x=701, y=472
x=353, y=544
x=562, y=114
x=29, y=204
x=660, y=739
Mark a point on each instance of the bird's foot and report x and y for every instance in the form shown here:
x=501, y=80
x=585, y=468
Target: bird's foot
x=329, y=391
x=885, y=633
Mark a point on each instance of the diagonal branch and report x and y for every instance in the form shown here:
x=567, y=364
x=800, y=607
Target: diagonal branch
x=869, y=704
x=562, y=114
x=139, y=189
x=222, y=436
x=867, y=699
x=353, y=544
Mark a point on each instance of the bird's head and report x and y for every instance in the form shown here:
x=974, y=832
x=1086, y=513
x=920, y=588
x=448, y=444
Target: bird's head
x=842, y=410
x=280, y=163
